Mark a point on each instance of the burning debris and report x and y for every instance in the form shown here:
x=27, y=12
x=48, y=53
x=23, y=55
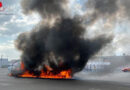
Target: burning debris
x=55, y=50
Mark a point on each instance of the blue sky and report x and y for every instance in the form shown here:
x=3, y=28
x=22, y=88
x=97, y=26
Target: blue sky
x=12, y=25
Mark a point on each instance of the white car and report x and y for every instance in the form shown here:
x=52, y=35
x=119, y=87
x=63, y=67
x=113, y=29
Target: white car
x=15, y=68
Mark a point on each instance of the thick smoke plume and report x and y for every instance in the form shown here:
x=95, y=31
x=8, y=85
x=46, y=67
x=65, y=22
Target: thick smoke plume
x=45, y=7
x=107, y=9
x=114, y=14
x=103, y=6
x=61, y=46
x=100, y=9
x=126, y=5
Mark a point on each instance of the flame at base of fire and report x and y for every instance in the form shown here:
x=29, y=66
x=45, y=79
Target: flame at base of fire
x=65, y=74
x=49, y=75
x=62, y=75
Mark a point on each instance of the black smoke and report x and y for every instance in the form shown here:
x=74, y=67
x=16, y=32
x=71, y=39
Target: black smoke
x=126, y=5
x=109, y=7
x=45, y=7
x=61, y=46
x=103, y=6
x=101, y=9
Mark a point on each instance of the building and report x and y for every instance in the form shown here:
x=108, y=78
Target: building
x=4, y=62
x=108, y=63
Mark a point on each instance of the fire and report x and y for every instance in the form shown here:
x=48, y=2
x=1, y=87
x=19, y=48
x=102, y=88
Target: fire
x=66, y=74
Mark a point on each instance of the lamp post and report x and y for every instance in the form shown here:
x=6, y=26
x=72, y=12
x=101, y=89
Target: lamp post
x=1, y=60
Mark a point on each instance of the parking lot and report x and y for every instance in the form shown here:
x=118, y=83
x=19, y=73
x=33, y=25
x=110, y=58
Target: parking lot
x=11, y=83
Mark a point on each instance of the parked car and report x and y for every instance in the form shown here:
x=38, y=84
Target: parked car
x=15, y=68
x=126, y=69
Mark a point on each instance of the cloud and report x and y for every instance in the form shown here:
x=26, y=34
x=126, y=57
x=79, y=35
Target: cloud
x=17, y=23
x=3, y=29
x=12, y=25
x=7, y=3
x=8, y=50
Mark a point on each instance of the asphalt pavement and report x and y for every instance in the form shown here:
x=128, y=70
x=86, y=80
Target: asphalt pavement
x=11, y=83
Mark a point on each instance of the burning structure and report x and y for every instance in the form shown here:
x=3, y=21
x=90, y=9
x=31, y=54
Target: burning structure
x=56, y=48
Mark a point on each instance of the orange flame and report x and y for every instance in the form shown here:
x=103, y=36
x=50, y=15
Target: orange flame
x=66, y=74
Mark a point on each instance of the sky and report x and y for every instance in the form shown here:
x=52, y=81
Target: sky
x=13, y=22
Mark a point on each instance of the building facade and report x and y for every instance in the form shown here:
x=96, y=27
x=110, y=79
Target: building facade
x=4, y=62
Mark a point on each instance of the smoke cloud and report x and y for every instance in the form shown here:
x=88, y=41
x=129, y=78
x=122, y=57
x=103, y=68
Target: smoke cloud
x=45, y=7
x=112, y=18
x=61, y=46
x=103, y=6
x=126, y=5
